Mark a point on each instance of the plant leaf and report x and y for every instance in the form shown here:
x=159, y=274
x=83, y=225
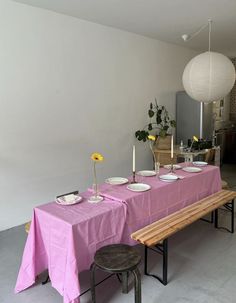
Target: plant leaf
x=151, y=113
x=158, y=119
x=173, y=123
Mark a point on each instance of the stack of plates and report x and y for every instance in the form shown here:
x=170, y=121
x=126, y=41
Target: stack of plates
x=192, y=169
x=175, y=166
x=116, y=181
x=200, y=163
x=146, y=173
x=168, y=178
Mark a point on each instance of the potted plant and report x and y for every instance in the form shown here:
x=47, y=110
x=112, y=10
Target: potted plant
x=161, y=123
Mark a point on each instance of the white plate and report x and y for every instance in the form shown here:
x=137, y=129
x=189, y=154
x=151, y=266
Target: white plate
x=138, y=187
x=116, y=181
x=192, y=169
x=168, y=178
x=62, y=200
x=176, y=166
x=200, y=163
x=146, y=173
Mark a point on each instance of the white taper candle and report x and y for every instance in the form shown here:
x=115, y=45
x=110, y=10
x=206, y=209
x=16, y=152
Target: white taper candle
x=133, y=158
x=172, y=147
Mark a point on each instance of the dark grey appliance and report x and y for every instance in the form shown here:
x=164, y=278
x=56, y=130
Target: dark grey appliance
x=192, y=118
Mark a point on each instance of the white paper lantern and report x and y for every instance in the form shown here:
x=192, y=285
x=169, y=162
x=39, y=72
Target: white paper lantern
x=209, y=77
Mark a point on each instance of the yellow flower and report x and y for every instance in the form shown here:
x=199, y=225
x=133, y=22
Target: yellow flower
x=151, y=138
x=195, y=138
x=97, y=157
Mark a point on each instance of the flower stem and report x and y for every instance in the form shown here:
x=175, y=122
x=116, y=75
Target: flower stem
x=95, y=179
x=154, y=156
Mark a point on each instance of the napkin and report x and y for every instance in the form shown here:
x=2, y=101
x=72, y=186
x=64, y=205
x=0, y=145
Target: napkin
x=69, y=198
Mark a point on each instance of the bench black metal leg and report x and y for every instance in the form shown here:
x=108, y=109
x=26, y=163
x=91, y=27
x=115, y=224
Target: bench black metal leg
x=165, y=261
x=145, y=260
x=229, y=207
x=163, y=250
x=212, y=217
x=216, y=218
x=232, y=216
x=211, y=220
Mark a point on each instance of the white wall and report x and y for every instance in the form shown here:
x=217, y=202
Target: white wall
x=68, y=88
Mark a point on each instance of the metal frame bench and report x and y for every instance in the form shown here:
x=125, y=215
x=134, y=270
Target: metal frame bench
x=155, y=236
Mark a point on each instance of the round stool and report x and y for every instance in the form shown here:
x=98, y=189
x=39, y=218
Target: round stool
x=118, y=259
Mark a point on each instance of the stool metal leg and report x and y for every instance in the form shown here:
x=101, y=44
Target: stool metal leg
x=92, y=282
x=47, y=280
x=137, y=285
x=125, y=276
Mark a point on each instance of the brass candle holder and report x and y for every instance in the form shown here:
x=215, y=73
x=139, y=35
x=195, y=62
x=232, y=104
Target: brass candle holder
x=133, y=181
x=172, y=167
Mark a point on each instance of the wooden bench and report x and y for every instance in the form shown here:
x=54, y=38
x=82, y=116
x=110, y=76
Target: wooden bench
x=155, y=235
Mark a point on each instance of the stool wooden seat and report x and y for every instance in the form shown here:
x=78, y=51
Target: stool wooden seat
x=118, y=258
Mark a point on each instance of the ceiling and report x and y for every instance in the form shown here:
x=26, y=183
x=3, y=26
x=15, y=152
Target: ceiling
x=165, y=20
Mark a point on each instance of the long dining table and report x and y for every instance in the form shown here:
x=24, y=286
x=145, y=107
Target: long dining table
x=63, y=239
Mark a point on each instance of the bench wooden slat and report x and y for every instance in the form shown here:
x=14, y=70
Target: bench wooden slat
x=184, y=217
x=162, y=223
x=167, y=226
x=209, y=200
x=179, y=214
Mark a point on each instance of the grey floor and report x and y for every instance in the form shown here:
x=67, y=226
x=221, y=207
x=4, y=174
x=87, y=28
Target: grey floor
x=202, y=268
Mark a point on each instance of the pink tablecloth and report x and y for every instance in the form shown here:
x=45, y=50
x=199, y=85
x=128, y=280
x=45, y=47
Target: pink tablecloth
x=163, y=198
x=65, y=238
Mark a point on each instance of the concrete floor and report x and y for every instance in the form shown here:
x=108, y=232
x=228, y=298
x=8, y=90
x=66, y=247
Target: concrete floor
x=202, y=268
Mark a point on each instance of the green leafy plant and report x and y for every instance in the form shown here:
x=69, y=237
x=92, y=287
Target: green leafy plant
x=159, y=121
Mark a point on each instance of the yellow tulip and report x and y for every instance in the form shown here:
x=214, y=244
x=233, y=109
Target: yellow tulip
x=97, y=157
x=151, y=138
x=195, y=138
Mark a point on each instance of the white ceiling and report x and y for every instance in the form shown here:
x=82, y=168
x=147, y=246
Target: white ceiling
x=165, y=20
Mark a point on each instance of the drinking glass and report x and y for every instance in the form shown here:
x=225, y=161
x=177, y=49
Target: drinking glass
x=157, y=168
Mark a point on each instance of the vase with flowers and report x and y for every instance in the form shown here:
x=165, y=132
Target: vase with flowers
x=152, y=140
x=96, y=158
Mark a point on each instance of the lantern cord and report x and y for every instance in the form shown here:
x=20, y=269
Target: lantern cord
x=209, y=35
x=190, y=37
